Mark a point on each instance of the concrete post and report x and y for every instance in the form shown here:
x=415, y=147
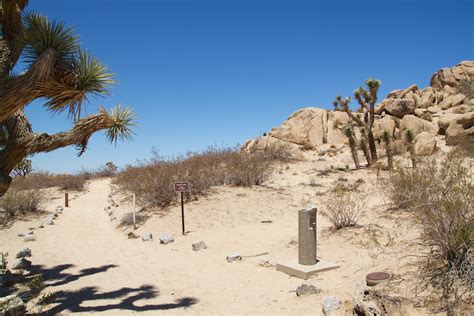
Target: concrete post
x=307, y=236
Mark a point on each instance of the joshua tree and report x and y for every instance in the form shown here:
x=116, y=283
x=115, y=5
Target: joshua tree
x=366, y=99
x=56, y=70
x=411, y=146
x=349, y=132
x=22, y=168
x=388, y=149
x=364, y=147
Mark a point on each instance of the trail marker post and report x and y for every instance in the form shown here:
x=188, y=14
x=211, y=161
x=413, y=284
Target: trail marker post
x=134, y=212
x=66, y=199
x=182, y=187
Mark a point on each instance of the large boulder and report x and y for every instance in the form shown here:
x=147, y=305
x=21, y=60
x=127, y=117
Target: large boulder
x=271, y=143
x=466, y=120
x=307, y=126
x=384, y=124
x=427, y=97
x=416, y=125
x=400, y=107
x=455, y=134
x=336, y=119
x=452, y=76
x=425, y=144
x=452, y=100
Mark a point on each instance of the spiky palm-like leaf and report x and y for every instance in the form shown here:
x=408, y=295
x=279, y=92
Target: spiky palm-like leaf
x=124, y=119
x=86, y=76
x=42, y=34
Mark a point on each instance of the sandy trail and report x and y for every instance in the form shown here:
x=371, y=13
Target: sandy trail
x=92, y=267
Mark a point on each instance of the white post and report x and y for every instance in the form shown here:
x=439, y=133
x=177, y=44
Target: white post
x=133, y=203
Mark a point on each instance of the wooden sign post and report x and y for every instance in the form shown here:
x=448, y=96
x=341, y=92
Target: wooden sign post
x=66, y=199
x=182, y=187
x=134, y=212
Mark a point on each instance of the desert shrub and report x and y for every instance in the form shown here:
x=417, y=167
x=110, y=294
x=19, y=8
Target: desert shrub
x=440, y=195
x=344, y=205
x=19, y=203
x=42, y=180
x=152, y=181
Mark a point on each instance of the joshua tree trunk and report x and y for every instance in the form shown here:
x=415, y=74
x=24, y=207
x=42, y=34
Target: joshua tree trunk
x=373, y=149
x=352, y=145
x=388, y=151
x=22, y=142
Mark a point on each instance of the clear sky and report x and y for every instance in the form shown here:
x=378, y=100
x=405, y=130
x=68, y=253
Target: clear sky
x=202, y=72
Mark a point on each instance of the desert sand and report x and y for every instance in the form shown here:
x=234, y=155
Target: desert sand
x=91, y=265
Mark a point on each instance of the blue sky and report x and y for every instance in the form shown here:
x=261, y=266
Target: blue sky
x=202, y=73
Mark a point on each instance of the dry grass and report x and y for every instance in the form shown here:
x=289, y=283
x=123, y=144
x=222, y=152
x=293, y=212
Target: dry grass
x=440, y=195
x=152, y=181
x=20, y=203
x=344, y=205
x=42, y=180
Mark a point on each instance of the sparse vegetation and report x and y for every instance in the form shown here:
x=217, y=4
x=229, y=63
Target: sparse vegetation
x=42, y=180
x=411, y=146
x=19, y=203
x=153, y=180
x=388, y=148
x=23, y=168
x=344, y=205
x=441, y=197
x=466, y=87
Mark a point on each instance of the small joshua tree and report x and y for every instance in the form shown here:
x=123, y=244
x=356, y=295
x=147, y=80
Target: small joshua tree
x=56, y=70
x=388, y=148
x=411, y=146
x=349, y=132
x=366, y=99
x=23, y=168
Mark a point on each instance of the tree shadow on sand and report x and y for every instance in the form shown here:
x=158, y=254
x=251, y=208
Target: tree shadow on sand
x=55, y=276
x=72, y=300
x=125, y=298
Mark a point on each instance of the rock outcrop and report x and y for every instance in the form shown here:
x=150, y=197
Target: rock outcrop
x=446, y=107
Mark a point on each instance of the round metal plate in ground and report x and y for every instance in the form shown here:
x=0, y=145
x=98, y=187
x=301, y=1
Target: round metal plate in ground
x=375, y=278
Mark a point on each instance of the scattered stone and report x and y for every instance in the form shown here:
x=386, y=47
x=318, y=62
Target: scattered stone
x=330, y=305
x=306, y=289
x=29, y=238
x=12, y=305
x=21, y=264
x=132, y=235
x=147, y=237
x=199, y=246
x=25, y=252
x=265, y=263
x=48, y=220
x=234, y=257
x=24, y=234
x=113, y=218
x=166, y=239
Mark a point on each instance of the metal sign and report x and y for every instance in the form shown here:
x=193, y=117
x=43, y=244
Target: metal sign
x=181, y=186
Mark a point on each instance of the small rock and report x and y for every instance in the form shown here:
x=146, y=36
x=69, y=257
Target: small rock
x=307, y=289
x=234, y=257
x=29, y=238
x=265, y=263
x=59, y=208
x=113, y=218
x=166, y=239
x=12, y=305
x=147, y=237
x=21, y=264
x=330, y=305
x=24, y=234
x=199, y=246
x=25, y=252
x=132, y=235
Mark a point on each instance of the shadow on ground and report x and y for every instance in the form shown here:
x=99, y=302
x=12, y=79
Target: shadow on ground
x=82, y=300
x=74, y=301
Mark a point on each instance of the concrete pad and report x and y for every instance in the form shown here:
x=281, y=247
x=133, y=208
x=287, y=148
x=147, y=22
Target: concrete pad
x=292, y=267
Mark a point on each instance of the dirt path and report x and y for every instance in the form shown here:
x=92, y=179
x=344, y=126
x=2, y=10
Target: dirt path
x=92, y=267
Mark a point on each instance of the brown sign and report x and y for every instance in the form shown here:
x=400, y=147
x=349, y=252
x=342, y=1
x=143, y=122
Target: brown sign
x=181, y=186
